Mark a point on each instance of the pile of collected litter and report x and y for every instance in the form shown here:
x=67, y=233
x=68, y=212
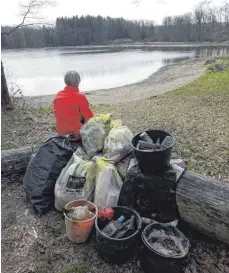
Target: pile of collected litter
x=58, y=173
x=85, y=181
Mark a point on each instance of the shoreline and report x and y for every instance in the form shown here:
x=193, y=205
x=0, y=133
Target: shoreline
x=135, y=45
x=165, y=79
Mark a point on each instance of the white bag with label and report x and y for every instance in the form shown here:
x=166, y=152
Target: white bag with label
x=76, y=181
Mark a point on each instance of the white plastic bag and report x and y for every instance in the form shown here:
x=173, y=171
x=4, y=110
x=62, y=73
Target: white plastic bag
x=108, y=185
x=78, y=213
x=76, y=181
x=118, y=142
x=93, y=134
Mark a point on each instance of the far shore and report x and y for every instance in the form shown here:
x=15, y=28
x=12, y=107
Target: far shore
x=134, y=45
x=165, y=79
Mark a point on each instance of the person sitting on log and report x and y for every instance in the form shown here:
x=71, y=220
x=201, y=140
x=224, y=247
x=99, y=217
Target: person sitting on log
x=71, y=108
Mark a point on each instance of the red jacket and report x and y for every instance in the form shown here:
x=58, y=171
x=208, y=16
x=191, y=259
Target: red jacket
x=71, y=108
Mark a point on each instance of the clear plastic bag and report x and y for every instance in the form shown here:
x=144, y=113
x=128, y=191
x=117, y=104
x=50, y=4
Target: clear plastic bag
x=79, y=213
x=94, y=132
x=118, y=142
x=108, y=185
x=76, y=181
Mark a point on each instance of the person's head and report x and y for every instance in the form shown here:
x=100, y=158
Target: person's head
x=72, y=78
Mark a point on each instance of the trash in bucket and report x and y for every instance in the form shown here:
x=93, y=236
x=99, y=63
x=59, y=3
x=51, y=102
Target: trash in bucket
x=164, y=248
x=79, y=213
x=106, y=214
x=154, y=156
x=146, y=143
x=115, y=249
x=120, y=228
x=113, y=226
x=78, y=231
x=166, y=240
x=148, y=221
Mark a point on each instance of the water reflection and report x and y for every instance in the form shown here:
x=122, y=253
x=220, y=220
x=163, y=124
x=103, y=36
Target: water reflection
x=211, y=52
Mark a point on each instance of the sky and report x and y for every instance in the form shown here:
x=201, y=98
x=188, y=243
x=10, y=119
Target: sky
x=154, y=10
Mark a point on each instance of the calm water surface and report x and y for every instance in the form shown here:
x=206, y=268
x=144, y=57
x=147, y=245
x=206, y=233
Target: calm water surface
x=41, y=72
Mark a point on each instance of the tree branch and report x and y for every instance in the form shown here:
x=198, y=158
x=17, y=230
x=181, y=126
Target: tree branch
x=23, y=20
x=29, y=9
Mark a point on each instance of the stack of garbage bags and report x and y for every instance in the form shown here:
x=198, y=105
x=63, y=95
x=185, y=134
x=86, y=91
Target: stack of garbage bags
x=58, y=173
x=91, y=173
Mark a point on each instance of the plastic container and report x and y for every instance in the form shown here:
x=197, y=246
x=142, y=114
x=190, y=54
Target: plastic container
x=152, y=162
x=153, y=261
x=117, y=251
x=79, y=231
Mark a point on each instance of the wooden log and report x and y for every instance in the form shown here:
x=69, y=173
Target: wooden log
x=15, y=161
x=203, y=203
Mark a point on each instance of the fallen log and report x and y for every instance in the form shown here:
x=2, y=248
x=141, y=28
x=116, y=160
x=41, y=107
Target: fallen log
x=203, y=203
x=15, y=161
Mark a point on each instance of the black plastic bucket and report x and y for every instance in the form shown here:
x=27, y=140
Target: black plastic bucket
x=117, y=251
x=154, y=262
x=153, y=162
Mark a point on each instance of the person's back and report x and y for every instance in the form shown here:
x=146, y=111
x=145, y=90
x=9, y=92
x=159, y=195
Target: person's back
x=71, y=108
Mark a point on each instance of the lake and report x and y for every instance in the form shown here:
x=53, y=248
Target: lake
x=40, y=72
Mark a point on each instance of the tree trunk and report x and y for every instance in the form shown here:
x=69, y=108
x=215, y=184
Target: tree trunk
x=204, y=204
x=15, y=161
x=5, y=96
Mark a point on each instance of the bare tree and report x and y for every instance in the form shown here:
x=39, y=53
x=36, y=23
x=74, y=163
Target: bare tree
x=199, y=18
x=30, y=16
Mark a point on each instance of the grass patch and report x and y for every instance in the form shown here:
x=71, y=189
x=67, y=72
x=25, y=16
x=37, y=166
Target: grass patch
x=103, y=108
x=209, y=84
x=53, y=126
x=47, y=108
x=5, y=146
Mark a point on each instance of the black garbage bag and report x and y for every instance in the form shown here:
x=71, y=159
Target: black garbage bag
x=43, y=170
x=150, y=194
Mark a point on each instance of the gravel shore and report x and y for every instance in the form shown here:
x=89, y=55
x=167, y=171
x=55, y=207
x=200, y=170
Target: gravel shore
x=165, y=79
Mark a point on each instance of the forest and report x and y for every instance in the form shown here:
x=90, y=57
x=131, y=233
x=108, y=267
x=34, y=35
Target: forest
x=204, y=24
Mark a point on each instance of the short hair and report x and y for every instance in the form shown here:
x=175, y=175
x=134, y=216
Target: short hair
x=72, y=78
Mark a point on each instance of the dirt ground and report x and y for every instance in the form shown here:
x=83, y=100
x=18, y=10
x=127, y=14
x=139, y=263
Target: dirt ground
x=32, y=244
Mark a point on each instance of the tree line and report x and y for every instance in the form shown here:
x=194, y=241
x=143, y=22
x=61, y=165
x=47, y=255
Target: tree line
x=206, y=23
x=76, y=31
x=203, y=24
